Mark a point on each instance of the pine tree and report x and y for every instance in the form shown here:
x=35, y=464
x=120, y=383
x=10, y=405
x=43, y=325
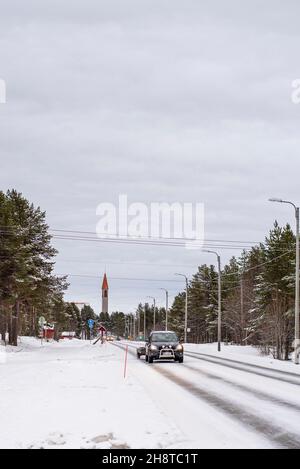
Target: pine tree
x=258, y=294
x=275, y=292
x=27, y=283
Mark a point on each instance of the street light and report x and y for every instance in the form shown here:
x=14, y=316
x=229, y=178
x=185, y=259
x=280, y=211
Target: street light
x=297, y=292
x=219, y=299
x=167, y=305
x=154, y=307
x=186, y=306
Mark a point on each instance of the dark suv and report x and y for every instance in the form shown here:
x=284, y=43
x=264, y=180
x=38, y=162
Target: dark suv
x=162, y=345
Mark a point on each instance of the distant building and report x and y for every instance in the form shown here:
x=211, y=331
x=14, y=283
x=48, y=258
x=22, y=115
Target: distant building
x=80, y=305
x=68, y=335
x=105, y=294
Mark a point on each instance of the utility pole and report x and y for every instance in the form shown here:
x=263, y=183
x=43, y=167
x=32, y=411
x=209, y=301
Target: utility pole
x=297, y=341
x=167, y=306
x=186, y=306
x=243, y=316
x=297, y=286
x=219, y=298
x=154, y=311
x=242, y=308
x=134, y=325
x=219, y=305
x=126, y=332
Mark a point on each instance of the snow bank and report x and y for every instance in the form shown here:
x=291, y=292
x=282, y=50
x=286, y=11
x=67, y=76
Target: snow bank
x=246, y=354
x=2, y=354
x=73, y=395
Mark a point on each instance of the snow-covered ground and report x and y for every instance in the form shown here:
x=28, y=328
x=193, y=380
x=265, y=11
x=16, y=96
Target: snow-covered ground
x=2, y=354
x=245, y=354
x=74, y=395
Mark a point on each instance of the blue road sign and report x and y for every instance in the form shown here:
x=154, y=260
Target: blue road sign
x=91, y=323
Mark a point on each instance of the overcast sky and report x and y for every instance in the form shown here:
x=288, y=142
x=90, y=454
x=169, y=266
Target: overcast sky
x=163, y=100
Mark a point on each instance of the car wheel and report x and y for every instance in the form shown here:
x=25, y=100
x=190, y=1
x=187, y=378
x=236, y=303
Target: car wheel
x=138, y=356
x=180, y=360
x=150, y=359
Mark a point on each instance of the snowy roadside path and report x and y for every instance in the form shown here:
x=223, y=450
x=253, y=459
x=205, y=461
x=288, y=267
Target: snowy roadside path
x=73, y=395
x=269, y=407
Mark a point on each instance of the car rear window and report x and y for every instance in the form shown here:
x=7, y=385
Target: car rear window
x=164, y=337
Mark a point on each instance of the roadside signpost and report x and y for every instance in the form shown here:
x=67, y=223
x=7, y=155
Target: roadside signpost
x=101, y=331
x=91, y=323
x=41, y=322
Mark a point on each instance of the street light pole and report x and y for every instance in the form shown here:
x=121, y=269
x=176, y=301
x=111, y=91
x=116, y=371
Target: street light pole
x=297, y=285
x=242, y=311
x=243, y=316
x=297, y=290
x=186, y=306
x=167, y=305
x=134, y=324
x=219, y=299
x=154, y=311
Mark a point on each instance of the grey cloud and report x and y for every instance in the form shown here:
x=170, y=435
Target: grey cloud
x=174, y=101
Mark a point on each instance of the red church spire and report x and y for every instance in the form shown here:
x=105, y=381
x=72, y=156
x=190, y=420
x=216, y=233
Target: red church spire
x=105, y=283
x=105, y=295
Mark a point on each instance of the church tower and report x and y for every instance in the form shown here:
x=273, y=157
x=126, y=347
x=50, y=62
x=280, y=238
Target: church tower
x=105, y=295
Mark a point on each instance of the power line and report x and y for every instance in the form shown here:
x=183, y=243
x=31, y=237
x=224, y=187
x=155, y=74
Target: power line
x=142, y=242
x=116, y=237
x=158, y=241
x=137, y=264
x=259, y=265
x=121, y=278
x=152, y=237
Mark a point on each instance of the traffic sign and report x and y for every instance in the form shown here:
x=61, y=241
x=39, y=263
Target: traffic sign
x=42, y=321
x=91, y=323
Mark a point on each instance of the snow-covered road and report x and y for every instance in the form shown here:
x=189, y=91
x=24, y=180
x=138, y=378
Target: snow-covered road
x=73, y=395
x=263, y=399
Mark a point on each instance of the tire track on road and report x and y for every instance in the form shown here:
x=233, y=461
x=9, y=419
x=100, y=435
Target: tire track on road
x=247, y=368
x=273, y=433
x=259, y=394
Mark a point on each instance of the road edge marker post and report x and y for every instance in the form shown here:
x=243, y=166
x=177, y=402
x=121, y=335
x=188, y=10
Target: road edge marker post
x=125, y=362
